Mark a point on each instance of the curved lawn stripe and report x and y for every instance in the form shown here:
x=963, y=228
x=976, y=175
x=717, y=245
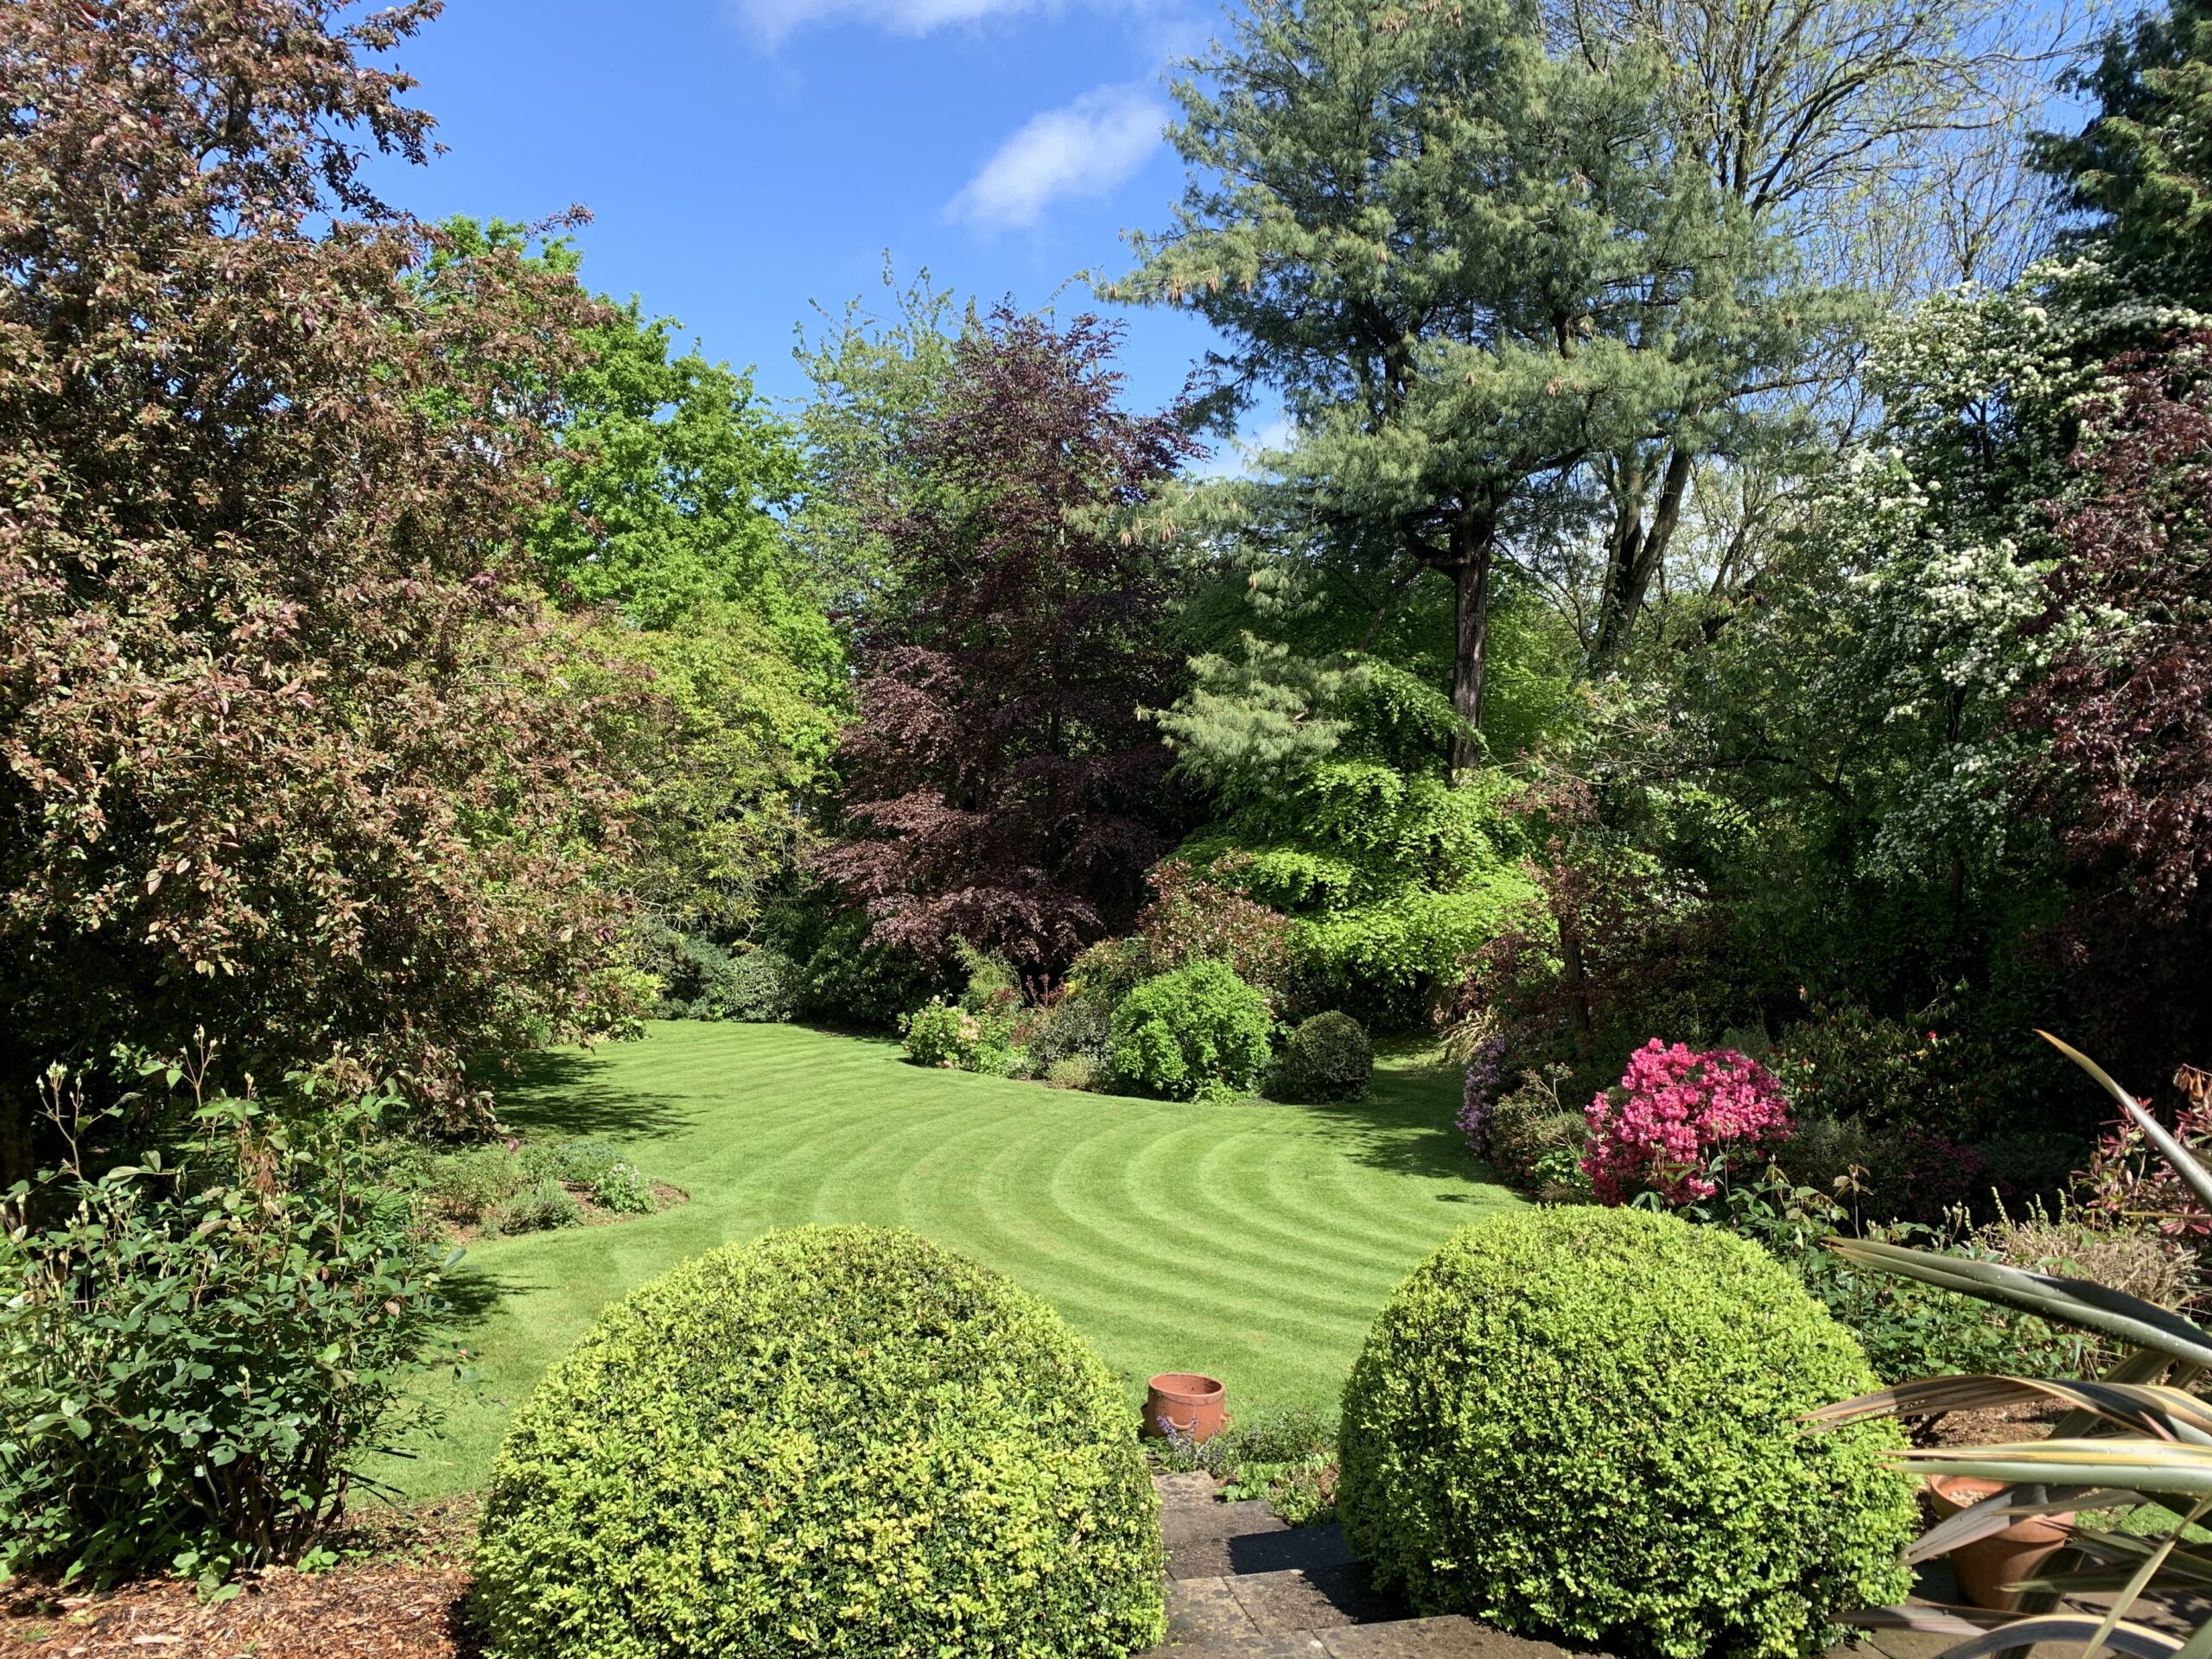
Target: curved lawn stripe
x=1252, y=1241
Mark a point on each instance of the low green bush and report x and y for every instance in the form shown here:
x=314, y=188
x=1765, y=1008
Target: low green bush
x=624, y=1190
x=521, y=1187
x=945, y=1035
x=763, y=986
x=1328, y=1057
x=1584, y=1423
x=1076, y=1071
x=832, y=1440
x=1075, y=1026
x=540, y=1207
x=198, y=1355
x=1200, y=1031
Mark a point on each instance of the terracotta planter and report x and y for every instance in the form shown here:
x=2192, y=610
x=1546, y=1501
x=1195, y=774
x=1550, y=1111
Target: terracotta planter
x=1187, y=1403
x=1987, y=1565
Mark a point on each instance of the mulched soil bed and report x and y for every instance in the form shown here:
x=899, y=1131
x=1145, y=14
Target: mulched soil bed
x=398, y=1594
x=1993, y=1425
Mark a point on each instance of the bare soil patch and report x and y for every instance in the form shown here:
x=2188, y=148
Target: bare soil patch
x=399, y=1592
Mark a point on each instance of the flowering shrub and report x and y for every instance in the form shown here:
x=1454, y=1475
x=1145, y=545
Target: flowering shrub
x=1675, y=1116
x=942, y=1034
x=1485, y=1070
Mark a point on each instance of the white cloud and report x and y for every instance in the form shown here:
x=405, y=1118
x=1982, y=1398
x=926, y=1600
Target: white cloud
x=773, y=19
x=1083, y=150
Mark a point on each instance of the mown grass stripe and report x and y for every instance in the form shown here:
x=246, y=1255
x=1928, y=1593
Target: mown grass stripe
x=1252, y=1240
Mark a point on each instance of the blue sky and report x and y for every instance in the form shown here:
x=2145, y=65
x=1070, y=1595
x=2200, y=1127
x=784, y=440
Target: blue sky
x=743, y=157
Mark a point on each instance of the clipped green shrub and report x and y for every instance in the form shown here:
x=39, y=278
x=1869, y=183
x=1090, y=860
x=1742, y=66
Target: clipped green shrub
x=1198, y=1031
x=763, y=986
x=1328, y=1057
x=840, y=1441
x=1583, y=1423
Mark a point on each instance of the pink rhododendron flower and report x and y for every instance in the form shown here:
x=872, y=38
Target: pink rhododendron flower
x=1673, y=1114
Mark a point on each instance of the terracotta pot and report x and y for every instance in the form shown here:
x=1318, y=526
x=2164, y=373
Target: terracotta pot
x=1987, y=1565
x=1190, y=1404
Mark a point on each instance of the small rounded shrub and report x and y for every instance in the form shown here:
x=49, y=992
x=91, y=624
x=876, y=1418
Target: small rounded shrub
x=763, y=985
x=943, y=1035
x=836, y=1441
x=1198, y=1031
x=1328, y=1057
x=1583, y=1423
x=624, y=1189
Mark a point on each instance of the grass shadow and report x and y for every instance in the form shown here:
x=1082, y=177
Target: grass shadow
x=564, y=1091
x=1407, y=1124
x=472, y=1293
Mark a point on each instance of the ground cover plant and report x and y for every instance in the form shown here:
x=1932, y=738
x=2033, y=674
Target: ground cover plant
x=1287, y=1457
x=974, y=1461
x=1630, y=1385
x=518, y=1186
x=1253, y=1239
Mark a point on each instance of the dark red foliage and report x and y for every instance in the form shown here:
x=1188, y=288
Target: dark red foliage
x=2128, y=708
x=1002, y=786
x=1196, y=918
x=284, y=746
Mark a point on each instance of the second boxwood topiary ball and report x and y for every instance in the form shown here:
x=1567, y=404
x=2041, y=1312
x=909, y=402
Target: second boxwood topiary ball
x=833, y=1440
x=1328, y=1057
x=1583, y=1422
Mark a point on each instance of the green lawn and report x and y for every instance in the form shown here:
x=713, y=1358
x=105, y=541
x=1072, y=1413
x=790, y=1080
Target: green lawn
x=1253, y=1240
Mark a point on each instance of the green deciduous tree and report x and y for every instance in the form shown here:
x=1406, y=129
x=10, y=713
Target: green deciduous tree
x=719, y=680
x=282, y=750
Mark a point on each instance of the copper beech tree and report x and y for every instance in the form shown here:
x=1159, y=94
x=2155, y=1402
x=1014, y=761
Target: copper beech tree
x=285, y=750
x=1003, y=786
x=2128, y=708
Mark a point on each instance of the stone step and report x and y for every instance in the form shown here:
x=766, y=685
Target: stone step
x=1450, y=1638
x=1242, y=1585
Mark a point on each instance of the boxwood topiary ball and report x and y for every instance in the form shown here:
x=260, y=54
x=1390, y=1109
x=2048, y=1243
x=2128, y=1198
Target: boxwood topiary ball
x=1582, y=1423
x=835, y=1441
x=1328, y=1057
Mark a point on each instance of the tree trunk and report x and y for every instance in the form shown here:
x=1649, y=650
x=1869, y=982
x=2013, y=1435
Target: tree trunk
x=1470, y=634
x=1634, y=559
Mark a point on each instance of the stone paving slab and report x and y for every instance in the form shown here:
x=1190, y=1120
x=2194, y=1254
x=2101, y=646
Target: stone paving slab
x=1277, y=1550
x=1317, y=1599
x=1450, y=1638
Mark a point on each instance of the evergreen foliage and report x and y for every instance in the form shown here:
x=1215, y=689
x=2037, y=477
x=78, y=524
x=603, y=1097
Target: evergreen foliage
x=673, y=1486
x=1555, y=1365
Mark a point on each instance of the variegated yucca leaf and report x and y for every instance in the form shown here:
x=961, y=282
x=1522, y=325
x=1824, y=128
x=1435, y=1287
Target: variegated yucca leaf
x=2128, y=1320
x=2127, y=1439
